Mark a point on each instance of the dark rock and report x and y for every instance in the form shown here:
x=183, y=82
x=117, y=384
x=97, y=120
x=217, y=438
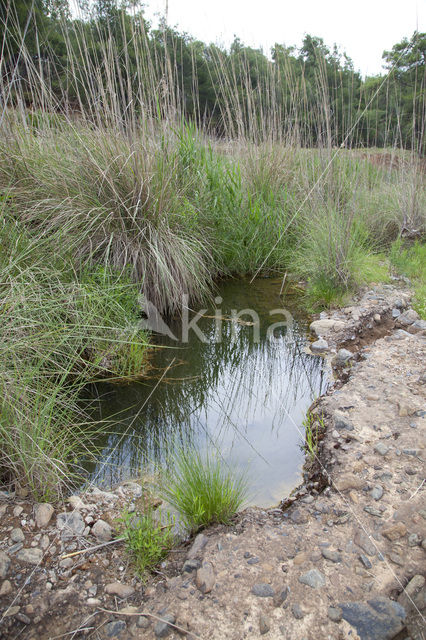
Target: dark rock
x=298, y=516
x=297, y=611
x=263, y=590
x=162, y=628
x=365, y=561
x=191, y=565
x=280, y=598
x=313, y=578
x=264, y=624
x=377, y=619
x=254, y=560
x=114, y=628
x=363, y=541
x=331, y=555
x=197, y=546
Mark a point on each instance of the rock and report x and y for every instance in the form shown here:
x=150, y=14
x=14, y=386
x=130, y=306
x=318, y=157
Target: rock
x=254, y=560
x=365, y=561
x=335, y=613
x=408, y=317
x=5, y=588
x=313, y=578
x=414, y=540
x=280, y=598
x=114, y=628
x=342, y=357
x=162, y=627
x=102, y=531
x=377, y=492
x=70, y=524
x=320, y=327
x=363, y=540
x=395, y=313
x=142, y=622
x=17, y=535
x=297, y=611
x=348, y=481
x=43, y=514
x=377, y=318
x=319, y=346
x=377, y=619
x=205, y=578
x=197, y=546
x=342, y=422
x=395, y=532
x=396, y=559
x=263, y=590
x=11, y=611
x=30, y=556
x=381, y=448
x=414, y=594
x=119, y=589
x=61, y=596
x=298, y=516
x=374, y=512
x=191, y=565
x=331, y=555
x=264, y=624
x=77, y=503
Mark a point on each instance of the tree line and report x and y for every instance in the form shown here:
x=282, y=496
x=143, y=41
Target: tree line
x=109, y=58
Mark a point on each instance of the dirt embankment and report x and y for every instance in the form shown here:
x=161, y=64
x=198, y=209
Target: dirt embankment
x=344, y=557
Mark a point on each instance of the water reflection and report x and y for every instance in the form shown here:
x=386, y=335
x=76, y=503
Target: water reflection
x=243, y=398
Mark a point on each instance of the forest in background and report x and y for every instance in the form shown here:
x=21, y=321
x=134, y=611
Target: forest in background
x=311, y=92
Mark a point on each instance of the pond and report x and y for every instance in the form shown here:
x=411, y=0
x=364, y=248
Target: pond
x=242, y=391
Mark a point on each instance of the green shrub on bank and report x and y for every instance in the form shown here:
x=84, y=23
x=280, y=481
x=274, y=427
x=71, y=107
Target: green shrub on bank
x=202, y=490
x=410, y=260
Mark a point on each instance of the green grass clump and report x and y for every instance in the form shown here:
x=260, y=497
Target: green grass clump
x=314, y=427
x=147, y=539
x=202, y=490
x=410, y=261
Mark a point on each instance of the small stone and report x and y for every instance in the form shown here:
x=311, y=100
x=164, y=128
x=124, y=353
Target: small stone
x=319, y=346
x=408, y=317
x=114, y=628
x=396, y=559
x=205, y=578
x=313, y=578
x=363, y=540
x=191, y=565
x=11, y=611
x=297, y=611
x=23, y=618
x=331, y=555
x=413, y=540
x=377, y=619
x=342, y=422
x=342, y=357
x=298, y=516
x=320, y=327
x=102, y=531
x=43, y=514
x=77, y=503
x=377, y=492
x=381, y=448
x=4, y=564
x=30, y=556
x=335, y=614
x=44, y=541
x=395, y=532
x=264, y=624
x=254, y=560
x=365, y=561
x=162, y=627
x=142, y=622
x=5, y=588
x=70, y=524
x=377, y=318
x=374, y=512
x=119, y=589
x=348, y=481
x=197, y=546
x=17, y=511
x=396, y=313
x=280, y=597
x=17, y=535
x=263, y=590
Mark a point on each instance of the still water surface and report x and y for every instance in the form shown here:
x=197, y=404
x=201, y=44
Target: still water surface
x=244, y=398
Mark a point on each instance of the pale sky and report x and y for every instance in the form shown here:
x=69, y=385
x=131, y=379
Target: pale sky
x=363, y=28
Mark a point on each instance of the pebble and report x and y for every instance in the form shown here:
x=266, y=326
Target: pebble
x=281, y=597
x=381, y=448
x=43, y=513
x=297, y=611
x=197, y=547
x=264, y=624
x=5, y=588
x=162, y=627
x=254, y=560
x=4, y=564
x=342, y=357
x=30, y=556
x=331, y=555
x=114, y=628
x=263, y=590
x=11, y=611
x=17, y=535
x=365, y=561
x=119, y=589
x=395, y=532
x=205, y=578
x=319, y=346
x=363, y=540
x=413, y=540
x=313, y=578
x=377, y=492
x=335, y=614
x=372, y=511
x=70, y=524
x=102, y=531
x=17, y=511
x=142, y=622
